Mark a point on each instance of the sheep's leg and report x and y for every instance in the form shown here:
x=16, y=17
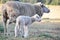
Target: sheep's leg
x=4, y=23
x=8, y=21
x=25, y=31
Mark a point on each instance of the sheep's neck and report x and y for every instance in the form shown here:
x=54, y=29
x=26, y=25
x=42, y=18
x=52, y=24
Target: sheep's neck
x=33, y=20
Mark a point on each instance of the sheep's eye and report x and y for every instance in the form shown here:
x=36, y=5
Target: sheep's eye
x=42, y=5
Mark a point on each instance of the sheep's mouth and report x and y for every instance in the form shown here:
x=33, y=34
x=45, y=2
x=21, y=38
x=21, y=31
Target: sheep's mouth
x=39, y=21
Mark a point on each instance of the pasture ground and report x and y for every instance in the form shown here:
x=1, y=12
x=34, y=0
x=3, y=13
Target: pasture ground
x=37, y=31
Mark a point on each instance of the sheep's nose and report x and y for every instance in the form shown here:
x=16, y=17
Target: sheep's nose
x=48, y=11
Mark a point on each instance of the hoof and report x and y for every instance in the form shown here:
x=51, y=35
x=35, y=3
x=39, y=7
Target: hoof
x=23, y=36
x=16, y=36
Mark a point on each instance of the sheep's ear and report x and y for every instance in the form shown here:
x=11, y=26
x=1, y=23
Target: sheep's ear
x=42, y=5
x=37, y=17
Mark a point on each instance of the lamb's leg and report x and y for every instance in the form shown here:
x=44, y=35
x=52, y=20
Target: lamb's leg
x=25, y=31
x=16, y=28
x=16, y=31
x=21, y=29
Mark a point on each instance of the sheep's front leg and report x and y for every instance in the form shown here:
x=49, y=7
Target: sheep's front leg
x=4, y=24
x=25, y=31
x=7, y=25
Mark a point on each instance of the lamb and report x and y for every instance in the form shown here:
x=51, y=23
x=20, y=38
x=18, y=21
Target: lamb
x=22, y=23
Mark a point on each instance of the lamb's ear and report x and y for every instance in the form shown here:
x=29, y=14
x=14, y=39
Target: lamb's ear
x=42, y=5
x=38, y=17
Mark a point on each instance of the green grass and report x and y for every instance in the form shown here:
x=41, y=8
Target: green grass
x=1, y=28
x=37, y=31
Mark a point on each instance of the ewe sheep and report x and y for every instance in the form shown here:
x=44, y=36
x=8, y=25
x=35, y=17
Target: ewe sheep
x=22, y=23
x=12, y=9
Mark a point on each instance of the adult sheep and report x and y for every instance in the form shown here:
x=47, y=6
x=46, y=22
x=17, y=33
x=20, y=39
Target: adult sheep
x=12, y=9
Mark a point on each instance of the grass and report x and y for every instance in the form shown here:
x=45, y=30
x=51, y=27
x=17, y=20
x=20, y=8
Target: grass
x=1, y=27
x=37, y=31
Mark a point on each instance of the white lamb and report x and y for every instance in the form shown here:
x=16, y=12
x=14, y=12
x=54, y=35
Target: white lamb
x=22, y=23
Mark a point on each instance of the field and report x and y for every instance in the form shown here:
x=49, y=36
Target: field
x=45, y=30
x=38, y=31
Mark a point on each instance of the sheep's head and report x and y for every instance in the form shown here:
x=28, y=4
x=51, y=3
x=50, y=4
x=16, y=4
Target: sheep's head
x=44, y=8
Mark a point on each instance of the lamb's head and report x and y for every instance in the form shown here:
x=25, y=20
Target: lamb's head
x=36, y=17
